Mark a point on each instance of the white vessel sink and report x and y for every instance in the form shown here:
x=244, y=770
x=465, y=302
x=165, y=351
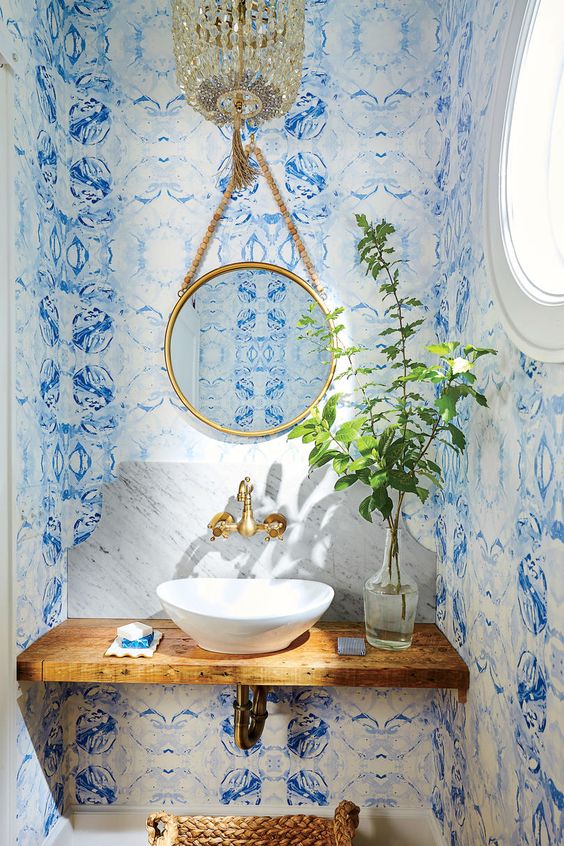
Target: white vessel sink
x=244, y=616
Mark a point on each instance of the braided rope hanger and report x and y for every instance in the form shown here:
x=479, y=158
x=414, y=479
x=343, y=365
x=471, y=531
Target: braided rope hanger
x=216, y=217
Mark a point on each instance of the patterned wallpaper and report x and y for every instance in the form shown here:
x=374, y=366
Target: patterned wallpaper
x=346, y=145
x=160, y=747
x=115, y=177
x=41, y=563
x=501, y=526
x=136, y=174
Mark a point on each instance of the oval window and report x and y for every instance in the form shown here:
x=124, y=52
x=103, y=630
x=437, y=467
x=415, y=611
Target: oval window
x=525, y=217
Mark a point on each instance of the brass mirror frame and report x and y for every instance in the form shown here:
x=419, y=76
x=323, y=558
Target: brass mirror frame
x=213, y=274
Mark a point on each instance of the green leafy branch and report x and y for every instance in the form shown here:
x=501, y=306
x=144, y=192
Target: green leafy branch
x=386, y=445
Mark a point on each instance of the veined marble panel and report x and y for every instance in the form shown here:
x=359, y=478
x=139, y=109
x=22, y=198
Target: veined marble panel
x=154, y=528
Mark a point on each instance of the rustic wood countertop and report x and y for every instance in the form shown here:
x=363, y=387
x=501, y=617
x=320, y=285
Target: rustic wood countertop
x=74, y=652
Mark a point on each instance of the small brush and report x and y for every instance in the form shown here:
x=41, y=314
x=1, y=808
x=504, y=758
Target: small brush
x=351, y=646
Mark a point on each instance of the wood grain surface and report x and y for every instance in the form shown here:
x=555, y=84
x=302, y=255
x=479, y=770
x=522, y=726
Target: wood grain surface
x=74, y=652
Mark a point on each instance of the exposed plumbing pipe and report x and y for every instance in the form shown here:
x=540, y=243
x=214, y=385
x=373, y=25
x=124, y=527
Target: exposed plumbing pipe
x=249, y=717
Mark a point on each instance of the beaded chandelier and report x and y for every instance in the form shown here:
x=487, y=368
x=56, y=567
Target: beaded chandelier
x=239, y=60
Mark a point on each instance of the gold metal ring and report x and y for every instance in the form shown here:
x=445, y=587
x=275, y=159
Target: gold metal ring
x=219, y=271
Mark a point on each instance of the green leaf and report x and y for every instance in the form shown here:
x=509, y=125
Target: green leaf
x=300, y=430
x=422, y=493
x=340, y=463
x=413, y=325
x=322, y=435
x=330, y=409
x=366, y=443
x=427, y=414
x=433, y=466
x=349, y=431
x=316, y=453
x=478, y=352
x=382, y=502
x=336, y=312
x=402, y=481
x=361, y=463
x=365, y=508
x=446, y=403
x=345, y=482
x=443, y=349
x=391, y=352
x=433, y=478
x=378, y=479
x=420, y=373
x=309, y=437
x=385, y=439
x=457, y=437
x=325, y=458
x=394, y=451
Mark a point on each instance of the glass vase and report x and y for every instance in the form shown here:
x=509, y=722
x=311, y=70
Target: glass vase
x=390, y=600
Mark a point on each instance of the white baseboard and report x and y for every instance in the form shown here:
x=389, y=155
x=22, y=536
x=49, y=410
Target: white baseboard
x=378, y=827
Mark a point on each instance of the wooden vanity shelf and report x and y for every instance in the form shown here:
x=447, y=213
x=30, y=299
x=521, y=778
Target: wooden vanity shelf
x=74, y=652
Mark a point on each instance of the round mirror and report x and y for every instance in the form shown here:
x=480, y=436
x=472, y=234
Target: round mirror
x=235, y=354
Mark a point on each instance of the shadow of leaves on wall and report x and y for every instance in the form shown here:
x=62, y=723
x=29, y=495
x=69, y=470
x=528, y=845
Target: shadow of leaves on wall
x=154, y=528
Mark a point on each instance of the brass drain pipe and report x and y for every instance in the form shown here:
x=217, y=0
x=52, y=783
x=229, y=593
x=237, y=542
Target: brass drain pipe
x=249, y=717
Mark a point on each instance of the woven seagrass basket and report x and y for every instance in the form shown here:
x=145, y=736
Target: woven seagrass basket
x=299, y=830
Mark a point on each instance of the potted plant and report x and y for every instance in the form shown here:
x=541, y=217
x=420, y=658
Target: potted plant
x=399, y=411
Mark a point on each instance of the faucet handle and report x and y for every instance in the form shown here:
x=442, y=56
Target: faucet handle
x=221, y=524
x=275, y=526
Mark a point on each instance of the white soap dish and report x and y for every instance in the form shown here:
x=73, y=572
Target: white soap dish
x=131, y=652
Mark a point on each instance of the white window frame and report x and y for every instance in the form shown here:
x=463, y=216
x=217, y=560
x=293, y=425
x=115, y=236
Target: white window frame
x=536, y=328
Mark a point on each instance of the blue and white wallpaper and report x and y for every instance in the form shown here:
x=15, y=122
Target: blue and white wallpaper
x=41, y=561
x=116, y=179
x=165, y=747
x=500, y=533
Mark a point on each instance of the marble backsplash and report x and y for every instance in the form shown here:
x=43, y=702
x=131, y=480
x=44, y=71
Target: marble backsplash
x=154, y=528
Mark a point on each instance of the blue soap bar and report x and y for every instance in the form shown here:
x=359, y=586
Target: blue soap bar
x=142, y=643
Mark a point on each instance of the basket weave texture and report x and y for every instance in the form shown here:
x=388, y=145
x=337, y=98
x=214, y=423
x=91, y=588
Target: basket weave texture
x=295, y=830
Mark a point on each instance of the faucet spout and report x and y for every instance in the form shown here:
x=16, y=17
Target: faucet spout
x=247, y=525
x=245, y=489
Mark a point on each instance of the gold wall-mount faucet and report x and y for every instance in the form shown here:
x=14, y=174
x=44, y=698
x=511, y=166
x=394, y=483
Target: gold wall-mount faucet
x=223, y=524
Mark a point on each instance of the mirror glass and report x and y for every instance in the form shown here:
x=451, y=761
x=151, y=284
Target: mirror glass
x=234, y=352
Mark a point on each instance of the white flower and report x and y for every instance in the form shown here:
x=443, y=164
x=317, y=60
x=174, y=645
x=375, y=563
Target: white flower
x=460, y=365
